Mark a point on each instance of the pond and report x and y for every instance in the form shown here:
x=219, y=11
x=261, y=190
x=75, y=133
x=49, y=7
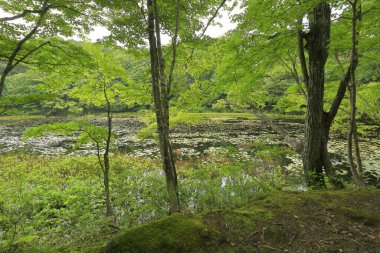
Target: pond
x=189, y=141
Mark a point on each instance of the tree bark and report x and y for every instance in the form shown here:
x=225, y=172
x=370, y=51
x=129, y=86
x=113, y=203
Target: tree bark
x=318, y=123
x=109, y=211
x=160, y=98
x=352, y=137
x=326, y=162
x=317, y=47
x=302, y=58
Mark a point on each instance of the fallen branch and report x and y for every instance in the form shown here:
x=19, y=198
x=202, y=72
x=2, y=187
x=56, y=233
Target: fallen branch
x=290, y=141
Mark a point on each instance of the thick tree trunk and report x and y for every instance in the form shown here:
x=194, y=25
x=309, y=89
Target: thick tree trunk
x=318, y=41
x=318, y=123
x=160, y=98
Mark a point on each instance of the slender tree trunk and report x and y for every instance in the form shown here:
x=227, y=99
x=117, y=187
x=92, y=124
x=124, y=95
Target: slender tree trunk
x=352, y=131
x=357, y=17
x=352, y=137
x=160, y=98
x=109, y=211
x=327, y=165
x=357, y=150
x=318, y=41
x=302, y=58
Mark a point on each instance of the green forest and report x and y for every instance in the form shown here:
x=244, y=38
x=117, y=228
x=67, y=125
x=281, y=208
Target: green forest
x=189, y=126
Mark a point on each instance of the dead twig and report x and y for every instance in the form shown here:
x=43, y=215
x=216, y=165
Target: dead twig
x=291, y=241
x=270, y=247
x=252, y=234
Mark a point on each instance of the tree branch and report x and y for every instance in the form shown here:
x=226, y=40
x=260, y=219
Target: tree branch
x=339, y=96
x=10, y=65
x=174, y=46
x=206, y=27
x=292, y=142
x=213, y=17
x=31, y=52
x=21, y=15
x=302, y=57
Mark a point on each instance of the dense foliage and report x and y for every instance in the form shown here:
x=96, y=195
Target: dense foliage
x=158, y=61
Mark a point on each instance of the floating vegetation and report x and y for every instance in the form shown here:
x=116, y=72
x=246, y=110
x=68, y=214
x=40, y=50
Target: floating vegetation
x=242, y=140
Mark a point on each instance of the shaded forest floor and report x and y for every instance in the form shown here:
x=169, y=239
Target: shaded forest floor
x=317, y=221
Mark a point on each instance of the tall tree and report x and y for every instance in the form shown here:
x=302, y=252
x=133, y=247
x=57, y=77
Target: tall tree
x=103, y=85
x=352, y=138
x=315, y=154
x=131, y=23
x=270, y=27
x=319, y=122
x=161, y=92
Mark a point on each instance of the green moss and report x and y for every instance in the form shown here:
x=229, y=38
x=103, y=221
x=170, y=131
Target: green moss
x=177, y=233
x=323, y=197
x=337, y=201
x=271, y=221
x=242, y=221
x=254, y=214
x=366, y=217
x=275, y=234
x=282, y=201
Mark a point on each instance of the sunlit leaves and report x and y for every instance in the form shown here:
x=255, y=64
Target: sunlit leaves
x=94, y=80
x=83, y=130
x=127, y=20
x=368, y=100
x=64, y=17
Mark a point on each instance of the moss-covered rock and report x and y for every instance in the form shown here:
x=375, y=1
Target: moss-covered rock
x=177, y=233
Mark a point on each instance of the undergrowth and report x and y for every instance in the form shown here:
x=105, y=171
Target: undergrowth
x=57, y=203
